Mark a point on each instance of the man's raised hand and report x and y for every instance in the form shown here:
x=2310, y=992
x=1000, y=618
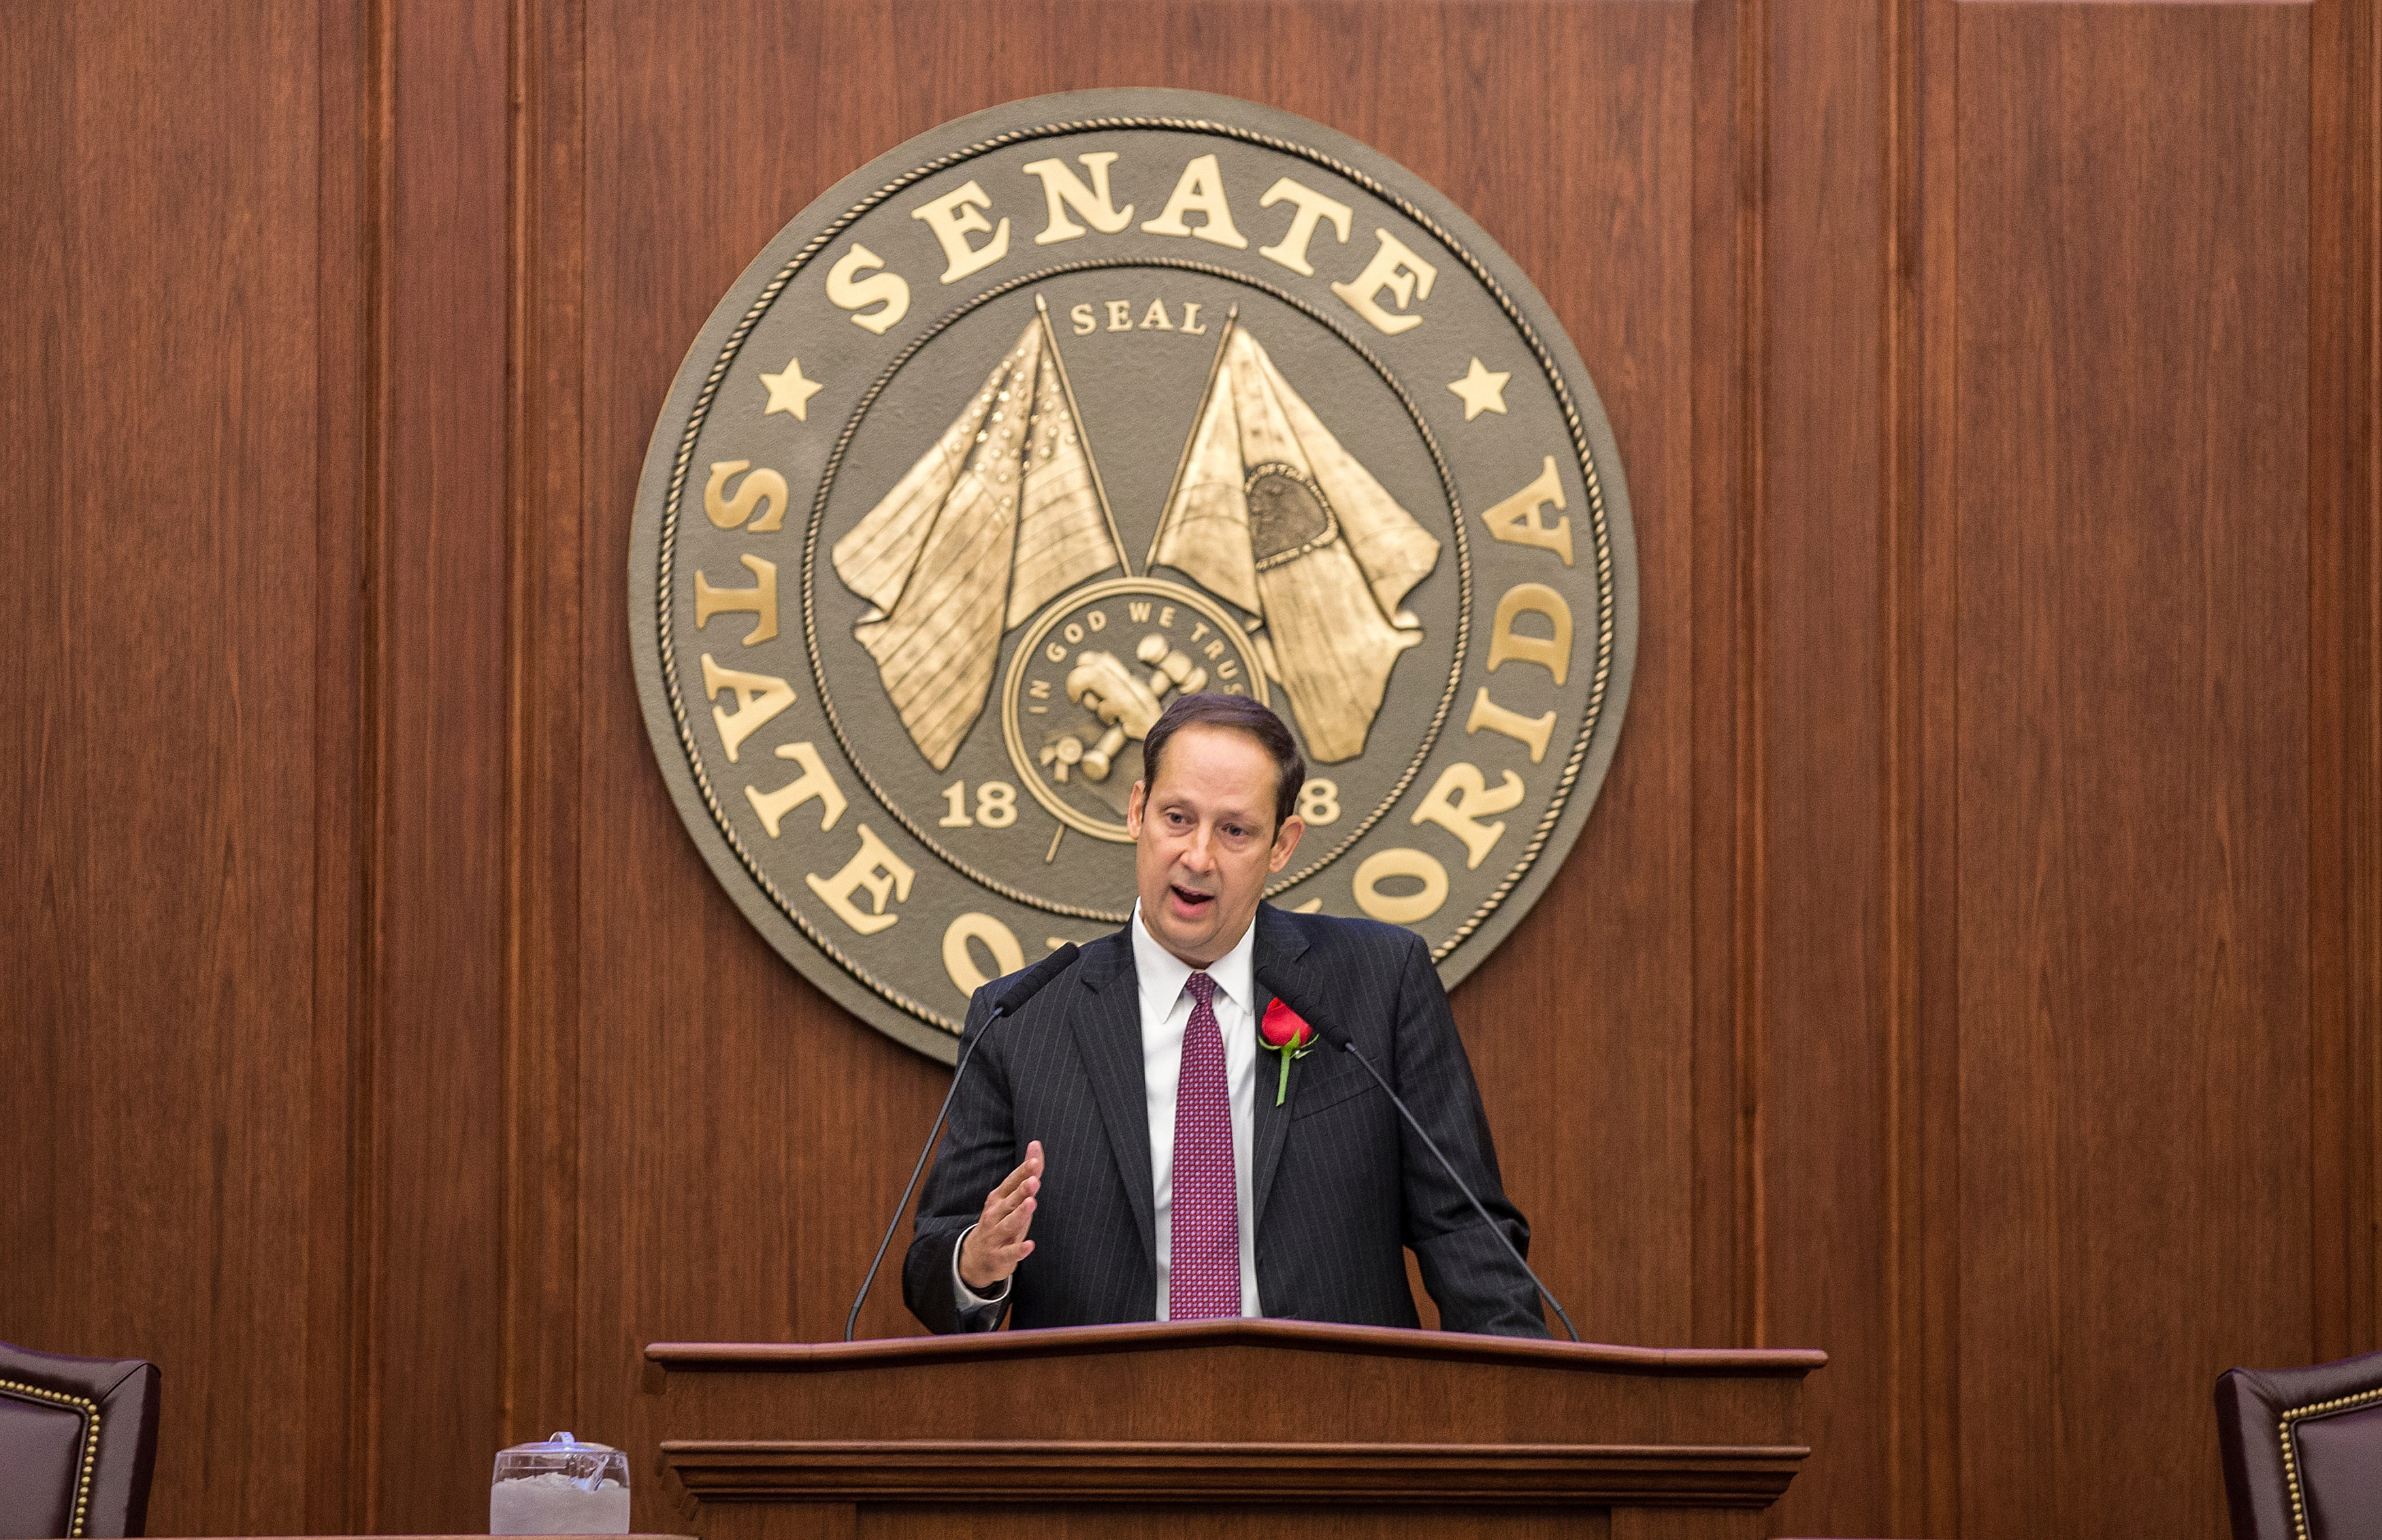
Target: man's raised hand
x=997, y=1243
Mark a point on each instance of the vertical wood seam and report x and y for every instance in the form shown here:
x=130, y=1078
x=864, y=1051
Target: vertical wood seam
x=341, y=996
x=2332, y=1099
x=545, y=362
x=2367, y=919
x=1935, y=914
x=2362, y=709
x=368, y=1211
x=2343, y=626
x=519, y=506
x=1752, y=998
x=1720, y=1292
x=581, y=363
x=1899, y=684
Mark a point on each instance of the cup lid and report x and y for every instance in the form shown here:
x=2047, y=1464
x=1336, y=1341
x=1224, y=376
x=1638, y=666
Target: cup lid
x=561, y=1443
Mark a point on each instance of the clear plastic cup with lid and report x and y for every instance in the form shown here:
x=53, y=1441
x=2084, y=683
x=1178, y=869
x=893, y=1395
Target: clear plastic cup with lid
x=560, y=1486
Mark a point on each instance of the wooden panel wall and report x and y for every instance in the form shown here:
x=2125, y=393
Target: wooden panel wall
x=1972, y=968
x=2131, y=926
x=177, y=313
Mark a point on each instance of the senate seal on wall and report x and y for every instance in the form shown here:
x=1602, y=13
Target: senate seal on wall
x=1074, y=405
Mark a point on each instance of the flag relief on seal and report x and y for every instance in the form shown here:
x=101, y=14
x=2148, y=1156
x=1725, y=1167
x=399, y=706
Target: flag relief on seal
x=1075, y=407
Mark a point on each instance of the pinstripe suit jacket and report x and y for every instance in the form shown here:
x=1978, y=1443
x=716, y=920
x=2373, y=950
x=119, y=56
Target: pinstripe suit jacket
x=1339, y=1185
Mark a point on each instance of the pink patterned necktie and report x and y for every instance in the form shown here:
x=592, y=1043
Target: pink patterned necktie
x=1204, y=1277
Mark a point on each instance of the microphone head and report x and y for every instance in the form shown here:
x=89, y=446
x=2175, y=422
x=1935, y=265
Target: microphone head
x=1029, y=984
x=1294, y=994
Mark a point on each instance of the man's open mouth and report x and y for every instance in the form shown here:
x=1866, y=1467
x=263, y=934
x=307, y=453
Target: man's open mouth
x=1188, y=899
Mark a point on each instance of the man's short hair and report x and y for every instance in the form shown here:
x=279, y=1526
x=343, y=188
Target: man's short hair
x=1242, y=715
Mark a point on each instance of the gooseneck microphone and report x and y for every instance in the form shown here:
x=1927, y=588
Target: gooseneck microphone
x=1293, y=996
x=1029, y=984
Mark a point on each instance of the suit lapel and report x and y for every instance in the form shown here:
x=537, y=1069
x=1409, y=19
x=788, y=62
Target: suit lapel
x=1107, y=1038
x=1279, y=943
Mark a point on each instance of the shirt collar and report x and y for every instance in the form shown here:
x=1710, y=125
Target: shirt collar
x=1160, y=974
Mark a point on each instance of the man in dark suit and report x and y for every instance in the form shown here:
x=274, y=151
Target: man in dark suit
x=1113, y=1155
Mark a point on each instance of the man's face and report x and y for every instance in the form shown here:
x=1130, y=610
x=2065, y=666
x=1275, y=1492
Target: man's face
x=1207, y=840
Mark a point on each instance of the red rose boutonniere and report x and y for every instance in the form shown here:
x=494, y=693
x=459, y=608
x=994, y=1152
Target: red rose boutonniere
x=1287, y=1034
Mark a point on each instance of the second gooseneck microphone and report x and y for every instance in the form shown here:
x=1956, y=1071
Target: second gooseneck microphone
x=1029, y=984
x=1296, y=997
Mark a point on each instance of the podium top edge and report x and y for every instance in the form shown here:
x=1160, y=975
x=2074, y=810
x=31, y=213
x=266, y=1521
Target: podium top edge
x=1278, y=1336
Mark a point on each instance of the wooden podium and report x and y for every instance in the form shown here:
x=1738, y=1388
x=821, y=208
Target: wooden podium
x=1224, y=1428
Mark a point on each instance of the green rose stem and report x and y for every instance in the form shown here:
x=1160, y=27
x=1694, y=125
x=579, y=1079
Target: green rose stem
x=1282, y=1087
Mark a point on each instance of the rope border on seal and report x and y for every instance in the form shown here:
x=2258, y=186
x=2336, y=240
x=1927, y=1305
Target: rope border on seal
x=1599, y=683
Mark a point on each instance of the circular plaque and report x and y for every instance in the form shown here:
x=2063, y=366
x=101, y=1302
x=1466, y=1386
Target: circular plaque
x=1074, y=405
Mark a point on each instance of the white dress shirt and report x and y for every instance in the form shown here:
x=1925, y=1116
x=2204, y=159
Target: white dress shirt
x=1165, y=1016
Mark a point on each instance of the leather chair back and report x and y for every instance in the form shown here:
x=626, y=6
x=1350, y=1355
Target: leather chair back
x=78, y=1444
x=2303, y=1449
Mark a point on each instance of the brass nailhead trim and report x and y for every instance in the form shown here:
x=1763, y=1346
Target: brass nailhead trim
x=2290, y=1455
x=89, y=1412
